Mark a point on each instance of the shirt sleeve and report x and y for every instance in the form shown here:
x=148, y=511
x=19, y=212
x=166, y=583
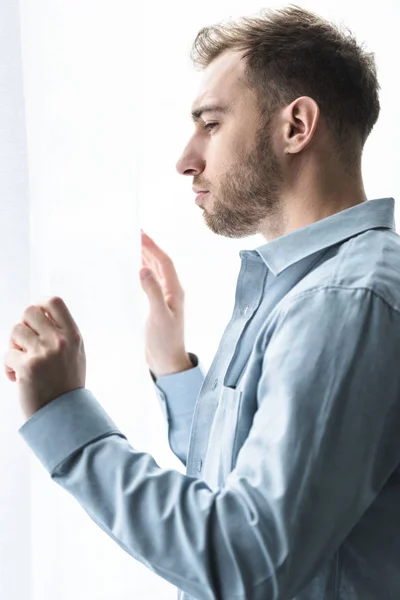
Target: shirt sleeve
x=324, y=440
x=177, y=394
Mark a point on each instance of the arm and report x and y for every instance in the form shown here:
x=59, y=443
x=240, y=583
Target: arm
x=177, y=394
x=324, y=440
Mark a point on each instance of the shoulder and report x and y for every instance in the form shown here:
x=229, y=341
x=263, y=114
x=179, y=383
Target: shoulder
x=352, y=288
x=369, y=261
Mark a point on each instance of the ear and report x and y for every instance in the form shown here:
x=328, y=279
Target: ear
x=301, y=119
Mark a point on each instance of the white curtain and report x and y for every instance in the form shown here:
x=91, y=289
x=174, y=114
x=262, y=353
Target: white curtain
x=95, y=99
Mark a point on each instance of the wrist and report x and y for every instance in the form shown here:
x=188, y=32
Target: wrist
x=178, y=366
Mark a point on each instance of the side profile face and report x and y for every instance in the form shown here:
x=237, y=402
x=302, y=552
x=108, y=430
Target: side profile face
x=268, y=174
x=225, y=155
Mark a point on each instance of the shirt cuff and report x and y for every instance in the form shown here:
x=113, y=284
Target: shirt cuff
x=179, y=391
x=65, y=425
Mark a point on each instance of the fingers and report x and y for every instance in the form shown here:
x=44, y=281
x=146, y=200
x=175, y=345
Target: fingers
x=148, y=258
x=160, y=262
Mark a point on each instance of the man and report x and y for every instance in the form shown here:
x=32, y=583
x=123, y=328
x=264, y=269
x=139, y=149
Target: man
x=291, y=440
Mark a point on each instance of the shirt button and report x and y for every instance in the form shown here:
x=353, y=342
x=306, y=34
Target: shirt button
x=199, y=465
x=214, y=385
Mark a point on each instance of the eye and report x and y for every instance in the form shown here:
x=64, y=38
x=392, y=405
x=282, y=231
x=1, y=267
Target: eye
x=209, y=126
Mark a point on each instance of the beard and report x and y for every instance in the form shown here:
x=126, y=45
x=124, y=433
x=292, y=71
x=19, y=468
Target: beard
x=248, y=193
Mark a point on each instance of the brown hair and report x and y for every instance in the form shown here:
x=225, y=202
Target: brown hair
x=292, y=52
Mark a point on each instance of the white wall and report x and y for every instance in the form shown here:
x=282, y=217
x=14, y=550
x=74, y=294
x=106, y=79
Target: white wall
x=108, y=88
x=15, y=570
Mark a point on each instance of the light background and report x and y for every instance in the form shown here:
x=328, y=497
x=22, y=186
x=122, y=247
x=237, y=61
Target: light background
x=95, y=100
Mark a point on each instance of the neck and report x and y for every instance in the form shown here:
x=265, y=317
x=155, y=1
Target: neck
x=313, y=201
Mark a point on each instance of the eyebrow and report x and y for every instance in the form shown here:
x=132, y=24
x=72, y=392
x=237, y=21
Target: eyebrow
x=205, y=108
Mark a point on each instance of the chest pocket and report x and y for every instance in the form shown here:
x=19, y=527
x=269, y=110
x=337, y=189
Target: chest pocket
x=221, y=445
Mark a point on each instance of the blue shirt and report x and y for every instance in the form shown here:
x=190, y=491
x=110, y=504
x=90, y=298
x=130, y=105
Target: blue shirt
x=291, y=440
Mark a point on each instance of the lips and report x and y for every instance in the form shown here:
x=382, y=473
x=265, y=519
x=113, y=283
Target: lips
x=200, y=196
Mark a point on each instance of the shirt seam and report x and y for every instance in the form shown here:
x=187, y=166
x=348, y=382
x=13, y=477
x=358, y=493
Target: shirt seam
x=329, y=287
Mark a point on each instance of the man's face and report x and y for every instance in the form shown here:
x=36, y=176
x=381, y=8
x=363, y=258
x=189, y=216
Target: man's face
x=232, y=154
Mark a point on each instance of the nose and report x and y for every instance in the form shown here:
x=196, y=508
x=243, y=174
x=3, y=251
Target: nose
x=190, y=162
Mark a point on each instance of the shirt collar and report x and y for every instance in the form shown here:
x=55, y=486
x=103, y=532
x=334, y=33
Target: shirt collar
x=284, y=251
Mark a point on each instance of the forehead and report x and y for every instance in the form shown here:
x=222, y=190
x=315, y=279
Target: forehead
x=221, y=80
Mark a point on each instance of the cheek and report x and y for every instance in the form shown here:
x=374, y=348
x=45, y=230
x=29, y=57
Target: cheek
x=226, y=150
x=217, y=159
x=225, y=154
